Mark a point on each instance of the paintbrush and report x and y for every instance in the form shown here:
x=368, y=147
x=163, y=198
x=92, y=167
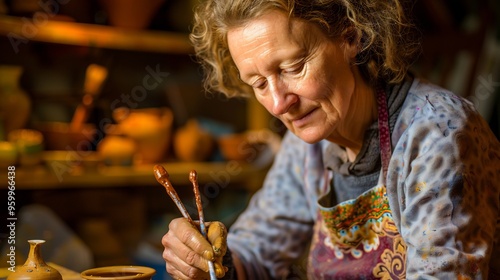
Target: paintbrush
x=161, y=176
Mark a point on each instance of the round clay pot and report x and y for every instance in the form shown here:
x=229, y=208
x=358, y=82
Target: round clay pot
x=35, y=267
x=15, y=108
x=193, y=143
x=131, y=14
x=59, y=136
x=117, y=150
x=29, y=145
x=236, y=147
x=119, y=272
x=149, y=128
x=8, y=154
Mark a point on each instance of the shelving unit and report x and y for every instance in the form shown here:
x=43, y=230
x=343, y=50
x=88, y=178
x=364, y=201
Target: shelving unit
x=215, y=174
x=114, y=38
x=96, y=36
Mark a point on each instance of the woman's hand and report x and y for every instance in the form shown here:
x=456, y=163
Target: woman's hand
x=187, y=252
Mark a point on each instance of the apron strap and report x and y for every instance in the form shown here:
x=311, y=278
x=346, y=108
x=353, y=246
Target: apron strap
x=384, y=131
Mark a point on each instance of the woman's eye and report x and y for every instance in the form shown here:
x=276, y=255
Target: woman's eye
x=259, y=84
x=295, y=69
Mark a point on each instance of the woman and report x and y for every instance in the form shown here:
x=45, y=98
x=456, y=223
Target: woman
x=381, y=175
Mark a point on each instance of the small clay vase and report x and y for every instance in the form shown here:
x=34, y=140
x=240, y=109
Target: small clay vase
x=15, y=108
x=35, y=267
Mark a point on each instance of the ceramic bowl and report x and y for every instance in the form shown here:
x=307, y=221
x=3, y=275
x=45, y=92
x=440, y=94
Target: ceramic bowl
x=192, y=143
x=60, y=136
x=29, y=145
x=119, y=272
x=149, y=128
x=236, y=147
x=257, y=147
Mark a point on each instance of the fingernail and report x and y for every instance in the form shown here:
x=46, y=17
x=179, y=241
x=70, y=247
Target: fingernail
x=219, y=272
x=208, y=255
x=216, y=250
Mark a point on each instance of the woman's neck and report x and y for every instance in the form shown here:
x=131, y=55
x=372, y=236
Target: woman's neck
x=362, y=113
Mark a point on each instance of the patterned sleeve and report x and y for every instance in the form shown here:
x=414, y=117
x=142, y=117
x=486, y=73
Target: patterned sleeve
x=444, y=188
x=273, y=230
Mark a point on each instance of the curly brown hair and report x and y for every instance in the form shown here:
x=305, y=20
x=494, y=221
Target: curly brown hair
x=387, y=42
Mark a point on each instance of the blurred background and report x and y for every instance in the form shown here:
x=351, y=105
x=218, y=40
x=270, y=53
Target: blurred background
x=95, y=93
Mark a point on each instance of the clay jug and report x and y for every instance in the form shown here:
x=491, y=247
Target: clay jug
x=15, y=105
x=35, y=267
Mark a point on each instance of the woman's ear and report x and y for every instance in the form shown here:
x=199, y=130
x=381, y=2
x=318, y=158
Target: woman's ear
x=351, y=39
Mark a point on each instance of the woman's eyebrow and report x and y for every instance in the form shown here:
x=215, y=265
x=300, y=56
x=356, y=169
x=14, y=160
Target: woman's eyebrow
x=295, y=55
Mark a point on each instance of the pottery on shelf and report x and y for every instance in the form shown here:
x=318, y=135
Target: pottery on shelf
x=15, y=108
x=116, y=150
x=131, y=14
x=35, y=267
x=29, y=144
x=193, y=143
x=149, y=128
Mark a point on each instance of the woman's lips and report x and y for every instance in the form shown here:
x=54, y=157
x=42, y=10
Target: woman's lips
x=303, y=120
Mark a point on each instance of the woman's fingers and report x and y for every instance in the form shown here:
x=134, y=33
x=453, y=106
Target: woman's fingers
x=220, y=270
x=186, y=251
x=179, y=269
x=189, y=235
x=217, y=236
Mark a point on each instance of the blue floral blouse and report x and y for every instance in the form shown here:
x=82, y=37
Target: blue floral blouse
x=443, y=186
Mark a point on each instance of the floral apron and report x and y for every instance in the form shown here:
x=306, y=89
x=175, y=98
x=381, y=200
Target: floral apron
x=358, y=239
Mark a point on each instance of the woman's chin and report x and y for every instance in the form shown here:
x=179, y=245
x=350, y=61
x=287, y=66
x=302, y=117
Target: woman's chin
x=309, y=136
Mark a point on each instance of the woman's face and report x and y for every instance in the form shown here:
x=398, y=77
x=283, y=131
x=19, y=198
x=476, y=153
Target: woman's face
x=298, y=74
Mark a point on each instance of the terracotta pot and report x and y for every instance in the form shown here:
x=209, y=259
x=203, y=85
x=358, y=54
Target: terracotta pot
x=131, y=14
x=119, y=272
x=256, y=146
x=117, y=150
x=59, y=136
x=15, y=108
x=29, y=145
x=193, y=143
x=35, y=267
x=237, y=147
x=149, y=128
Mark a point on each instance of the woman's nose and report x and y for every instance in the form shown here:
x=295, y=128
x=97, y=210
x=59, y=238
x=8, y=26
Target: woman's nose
x=282, y=98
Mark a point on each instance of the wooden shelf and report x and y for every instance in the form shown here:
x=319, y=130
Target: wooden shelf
x=88, y=176
x=57, y=176
x=91, y=35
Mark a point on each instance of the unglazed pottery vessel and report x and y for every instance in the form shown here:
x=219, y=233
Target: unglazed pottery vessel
x=149, y=128
x=120, y=272
x=192, y=142
x=15, y=105
x=35, y=267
